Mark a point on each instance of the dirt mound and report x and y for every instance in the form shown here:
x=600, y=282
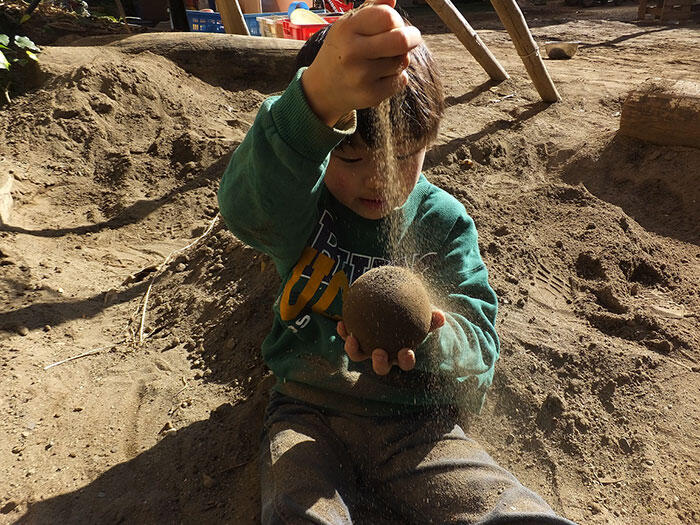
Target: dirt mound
x=123, y=107
x=598, y=264
x=123, y=131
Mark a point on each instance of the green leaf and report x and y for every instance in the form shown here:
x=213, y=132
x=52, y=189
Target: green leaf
x=4, y=40
x=24, y=43
x=24, y=18
x=31, y=55
x=4, y=64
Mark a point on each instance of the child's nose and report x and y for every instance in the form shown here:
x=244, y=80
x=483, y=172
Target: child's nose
x=376, y=181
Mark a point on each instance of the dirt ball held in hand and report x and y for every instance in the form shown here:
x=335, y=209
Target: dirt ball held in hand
x=388, y=308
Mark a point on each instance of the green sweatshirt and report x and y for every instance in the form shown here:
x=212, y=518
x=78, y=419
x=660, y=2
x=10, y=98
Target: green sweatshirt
x=272, y=197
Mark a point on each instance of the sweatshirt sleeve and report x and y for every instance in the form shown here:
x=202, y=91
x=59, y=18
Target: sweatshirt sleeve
x=269, y=192
x=467, y=346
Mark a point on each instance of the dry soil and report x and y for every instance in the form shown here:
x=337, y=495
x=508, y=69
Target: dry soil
x=592, y=241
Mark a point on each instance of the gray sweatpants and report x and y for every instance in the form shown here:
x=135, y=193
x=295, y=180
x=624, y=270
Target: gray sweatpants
x=325, y=467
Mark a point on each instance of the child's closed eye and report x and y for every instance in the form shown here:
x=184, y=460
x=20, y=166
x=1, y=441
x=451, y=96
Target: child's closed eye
x=348, y=160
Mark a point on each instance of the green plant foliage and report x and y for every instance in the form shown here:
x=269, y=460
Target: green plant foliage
x=24, y=43
x=14, y=53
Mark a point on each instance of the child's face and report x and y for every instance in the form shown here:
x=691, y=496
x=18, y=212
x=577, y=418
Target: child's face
x=357, y=180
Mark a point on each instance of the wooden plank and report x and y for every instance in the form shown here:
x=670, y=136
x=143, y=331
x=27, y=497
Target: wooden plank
x=665, y=112
x=232, y=17
x=514, y=22
x=250, y=6
x=678, y=10
x=453, y=19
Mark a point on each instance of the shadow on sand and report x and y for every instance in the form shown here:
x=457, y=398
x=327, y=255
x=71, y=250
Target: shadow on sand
x=204, y=473
x=657, y=186
x=439, y=152
x=134, y=213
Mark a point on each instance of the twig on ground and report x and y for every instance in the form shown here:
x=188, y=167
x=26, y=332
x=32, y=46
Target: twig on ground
x=144, y=303
x=181, y=390
x=234, y=467
x=676, y=362
x=686, y=355
x=84, y=354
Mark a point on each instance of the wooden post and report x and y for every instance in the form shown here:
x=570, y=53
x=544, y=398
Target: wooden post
x=453, y=19
x=514, y=22
x=232, y=17
x=122, y=14
x=642, y=10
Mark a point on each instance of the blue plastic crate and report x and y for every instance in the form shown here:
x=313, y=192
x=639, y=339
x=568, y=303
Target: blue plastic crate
x=211, y=22
x=205, y=22
x=251, y=20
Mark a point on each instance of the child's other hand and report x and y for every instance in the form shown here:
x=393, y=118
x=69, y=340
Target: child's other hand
x=405, y=359
x=362, y=62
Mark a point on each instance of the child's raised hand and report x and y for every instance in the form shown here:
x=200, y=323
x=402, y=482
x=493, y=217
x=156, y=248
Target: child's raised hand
x=405, y=359
x=361, y=62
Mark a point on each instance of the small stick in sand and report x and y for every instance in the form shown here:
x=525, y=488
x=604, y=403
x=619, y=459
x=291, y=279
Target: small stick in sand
x=144, y=304
x=84, y=354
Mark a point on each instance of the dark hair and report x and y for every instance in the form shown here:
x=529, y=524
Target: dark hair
x=416, y=110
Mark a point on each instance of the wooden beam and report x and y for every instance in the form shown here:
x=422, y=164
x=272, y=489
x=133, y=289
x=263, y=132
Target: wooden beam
x=122, y=14
x=514, y=22
x=665, y=112
x=232, y=17
x=454, y=20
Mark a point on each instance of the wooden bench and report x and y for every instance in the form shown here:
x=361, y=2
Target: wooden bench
x=667, y=10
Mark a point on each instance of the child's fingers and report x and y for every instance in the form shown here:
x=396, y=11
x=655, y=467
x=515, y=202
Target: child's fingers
x=352, y=348
x=342, y=332
x=389, y=44
x=406, y=359
x=386, y=67
x=380, y=362
x=390, y=3
x=437, y=320
x=378, y=18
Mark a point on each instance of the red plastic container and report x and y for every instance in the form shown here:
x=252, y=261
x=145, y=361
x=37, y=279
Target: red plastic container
x=303, y=32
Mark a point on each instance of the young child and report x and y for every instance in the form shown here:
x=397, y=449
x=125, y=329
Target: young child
x=349, y=435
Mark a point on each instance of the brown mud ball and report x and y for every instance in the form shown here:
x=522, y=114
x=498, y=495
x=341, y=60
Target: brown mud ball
x=388, y=308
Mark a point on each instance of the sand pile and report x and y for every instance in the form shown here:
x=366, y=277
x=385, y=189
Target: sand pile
x=123, y=128
x=597, y=282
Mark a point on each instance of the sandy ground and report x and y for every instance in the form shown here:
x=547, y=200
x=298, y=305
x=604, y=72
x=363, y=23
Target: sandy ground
x=592, y=240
